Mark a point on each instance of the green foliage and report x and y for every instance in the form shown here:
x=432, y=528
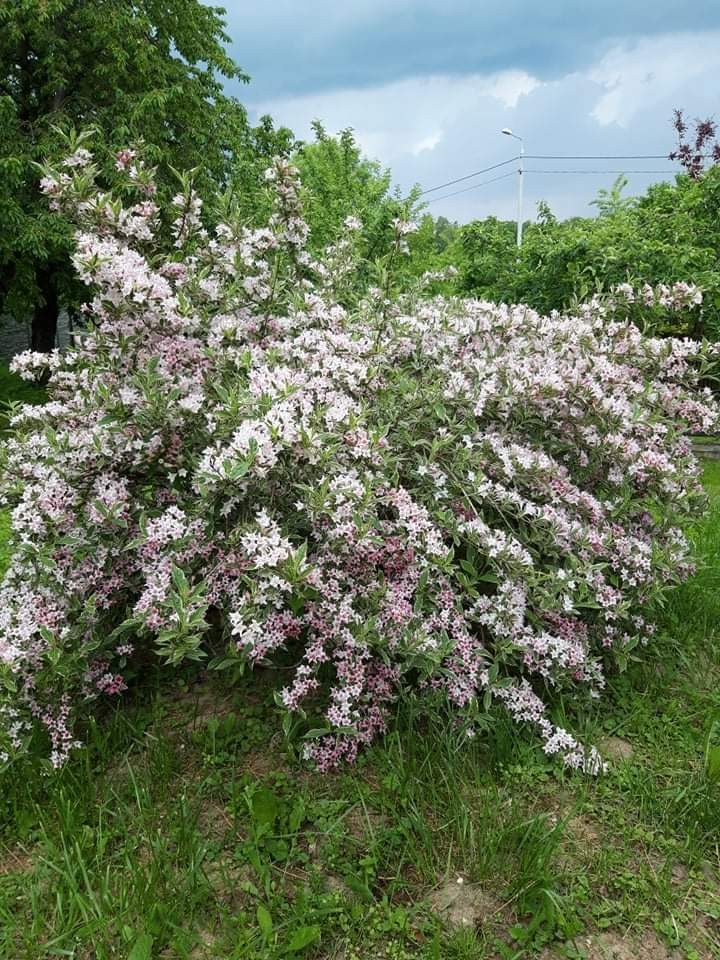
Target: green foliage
x=432, y=246
x=611, y=201
x=4, y=536
x=669, y=234
x=340, y=182
x=249, y=162
x=141, y=69
x=488, y=257
x=13, y=389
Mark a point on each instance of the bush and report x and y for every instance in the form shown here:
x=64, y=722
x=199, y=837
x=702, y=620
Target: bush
x=665, y=236
x=428, y=497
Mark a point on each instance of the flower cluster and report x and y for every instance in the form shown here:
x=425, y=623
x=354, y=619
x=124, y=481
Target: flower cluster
x=663, y=309
x=676, y=296
x=438, y=495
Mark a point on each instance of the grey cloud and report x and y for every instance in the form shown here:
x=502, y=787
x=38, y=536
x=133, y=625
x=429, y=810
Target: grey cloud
x=461, y=118
x=290, y=48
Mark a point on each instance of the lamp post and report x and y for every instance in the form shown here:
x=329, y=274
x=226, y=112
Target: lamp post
x=508, y=133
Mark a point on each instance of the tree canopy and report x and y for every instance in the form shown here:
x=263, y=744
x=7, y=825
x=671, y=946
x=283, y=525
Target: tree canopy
x=668, y=234
x=339, y=181
x=135, y=69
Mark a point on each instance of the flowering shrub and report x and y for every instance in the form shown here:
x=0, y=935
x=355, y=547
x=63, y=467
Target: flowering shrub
x=661, y=309
x=447, y=497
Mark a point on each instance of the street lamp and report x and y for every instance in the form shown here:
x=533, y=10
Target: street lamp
x=508, y=133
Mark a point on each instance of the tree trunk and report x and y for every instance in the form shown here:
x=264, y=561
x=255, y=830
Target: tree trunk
x=45, y=317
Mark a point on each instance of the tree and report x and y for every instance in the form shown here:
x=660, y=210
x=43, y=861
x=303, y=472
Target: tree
x=612, y=201
x=667, y=235
x=251, y=159
x=433, y=245
x=339, y=182
x=488, y=256
x=701, y=146
x=133, y=69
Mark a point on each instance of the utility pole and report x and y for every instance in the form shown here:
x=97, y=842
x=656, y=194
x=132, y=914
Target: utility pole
x=508, y=133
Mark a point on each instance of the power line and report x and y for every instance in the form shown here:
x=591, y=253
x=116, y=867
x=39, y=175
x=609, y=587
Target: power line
x=540, y=156
x=473, y=187
x=469, y=176
x=635, y=156
x=628, y=172
x=504, y=176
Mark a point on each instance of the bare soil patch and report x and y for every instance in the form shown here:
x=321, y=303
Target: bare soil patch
x=464, y=905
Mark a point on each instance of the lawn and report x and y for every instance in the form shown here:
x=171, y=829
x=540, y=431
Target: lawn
x=188, y=829
x=12, y=388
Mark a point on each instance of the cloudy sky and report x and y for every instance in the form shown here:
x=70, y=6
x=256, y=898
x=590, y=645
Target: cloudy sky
x=427, y=86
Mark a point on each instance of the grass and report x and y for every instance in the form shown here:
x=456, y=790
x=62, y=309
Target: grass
x=13, y=388
x=187, y=829
x=4, y=534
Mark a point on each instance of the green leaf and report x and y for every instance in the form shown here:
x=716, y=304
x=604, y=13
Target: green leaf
x=317, y=732
x=713, y=763
x=488, y=577
x=142, y=948
x=179, y=580
x=278, y=849
x=265, y=807
x=302, y=938
x=264, y=922
x=361, y=889
x=297, y=815
x=711, y=909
